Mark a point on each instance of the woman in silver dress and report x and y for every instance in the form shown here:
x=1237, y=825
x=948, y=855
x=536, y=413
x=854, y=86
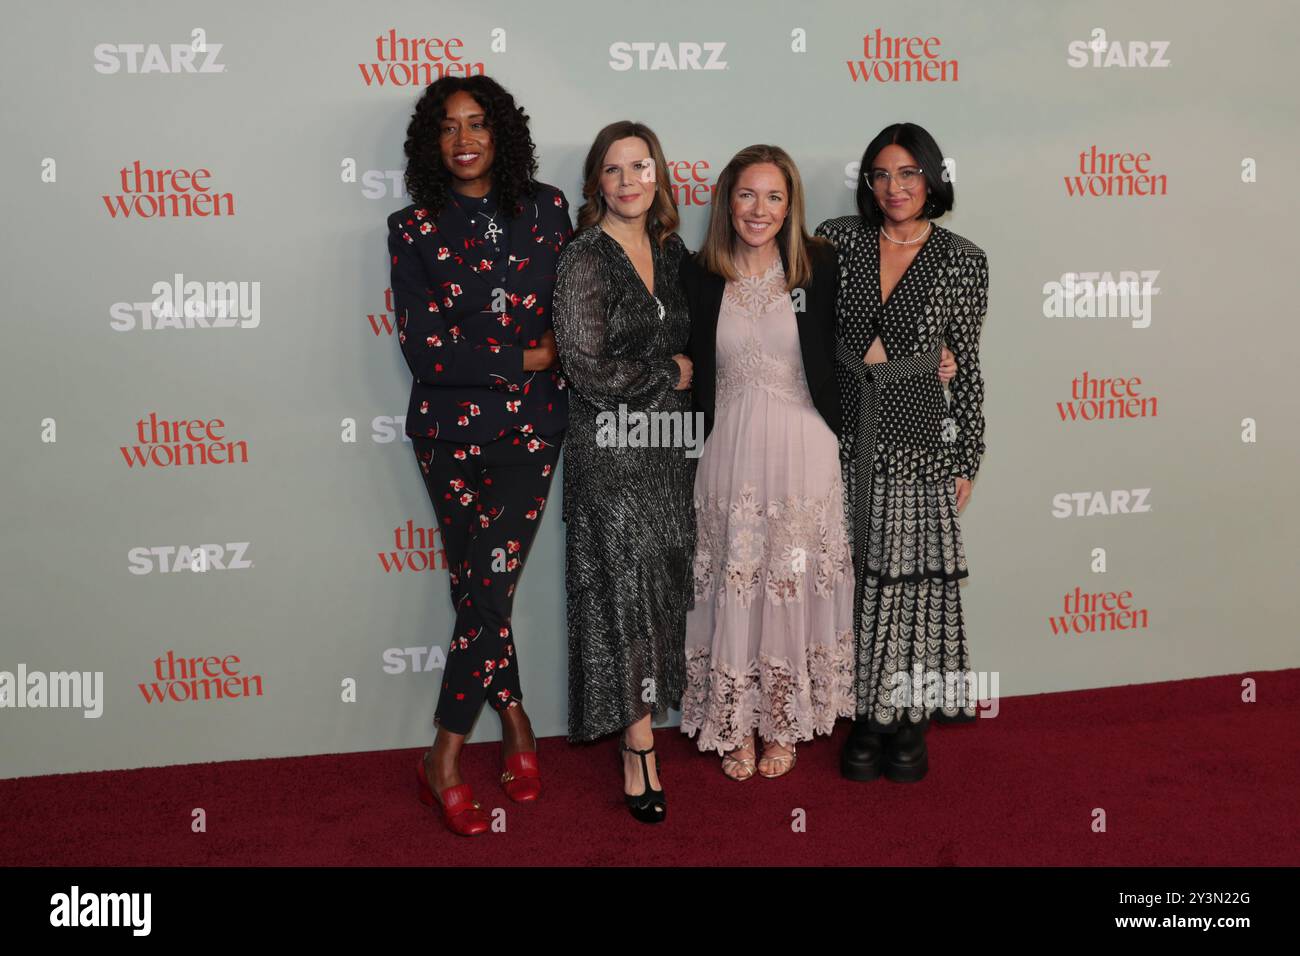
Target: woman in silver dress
x=907, y=286
x=621, y=327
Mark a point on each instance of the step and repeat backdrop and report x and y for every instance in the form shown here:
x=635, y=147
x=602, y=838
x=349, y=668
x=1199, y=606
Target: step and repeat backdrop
x=216, y=542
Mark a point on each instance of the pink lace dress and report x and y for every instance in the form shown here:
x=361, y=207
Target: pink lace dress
x=769, y=643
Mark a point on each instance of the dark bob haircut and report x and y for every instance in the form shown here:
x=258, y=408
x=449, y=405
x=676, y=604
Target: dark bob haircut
x=917, y=141
x=514, y=167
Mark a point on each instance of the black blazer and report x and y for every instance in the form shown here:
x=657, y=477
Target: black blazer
x=464, y=341
x=816, y=332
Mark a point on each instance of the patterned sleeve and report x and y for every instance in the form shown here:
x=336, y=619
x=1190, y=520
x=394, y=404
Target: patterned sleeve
x=435, y=351
x=850, y=327
x=581, y=319
x=963, y=338
x=566, y=234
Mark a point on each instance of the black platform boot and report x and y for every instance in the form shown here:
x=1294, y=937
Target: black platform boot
x=906, y=760
x=863, y=755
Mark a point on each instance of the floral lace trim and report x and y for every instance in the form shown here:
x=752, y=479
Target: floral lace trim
x=758, y=294
x=775, y=549
x=757, y=369
x=785, y=702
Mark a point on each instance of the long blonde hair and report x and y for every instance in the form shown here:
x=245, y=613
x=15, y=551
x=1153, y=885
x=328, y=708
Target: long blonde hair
x=717, y=253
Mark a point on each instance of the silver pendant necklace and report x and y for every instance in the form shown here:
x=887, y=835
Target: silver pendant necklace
x=492, y=231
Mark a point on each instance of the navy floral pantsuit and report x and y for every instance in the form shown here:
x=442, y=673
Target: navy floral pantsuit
x=489, y=501
x=473, y=286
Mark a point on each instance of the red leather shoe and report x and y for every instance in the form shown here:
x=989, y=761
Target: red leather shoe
x=460, y=811
x=522, y=778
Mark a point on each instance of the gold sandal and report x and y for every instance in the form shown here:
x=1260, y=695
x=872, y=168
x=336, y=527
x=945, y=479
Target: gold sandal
x=740, y=768
x=784, y=761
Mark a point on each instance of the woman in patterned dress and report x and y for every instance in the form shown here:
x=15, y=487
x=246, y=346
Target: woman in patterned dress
x=769, y=643
x=622, y=326
x=907, y=286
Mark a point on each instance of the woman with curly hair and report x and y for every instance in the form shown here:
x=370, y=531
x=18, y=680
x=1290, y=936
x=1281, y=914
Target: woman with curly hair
x=473, y=266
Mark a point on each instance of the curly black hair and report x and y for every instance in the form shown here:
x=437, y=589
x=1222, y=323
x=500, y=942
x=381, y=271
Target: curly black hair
x=514, y=169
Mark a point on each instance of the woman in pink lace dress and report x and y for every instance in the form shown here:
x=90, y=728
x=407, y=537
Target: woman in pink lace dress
x=769, y=643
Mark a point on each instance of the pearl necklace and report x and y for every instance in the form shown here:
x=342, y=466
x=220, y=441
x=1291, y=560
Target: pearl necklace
x=907, y=242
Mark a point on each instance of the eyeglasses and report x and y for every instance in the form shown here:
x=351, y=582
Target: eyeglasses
x=907, y=178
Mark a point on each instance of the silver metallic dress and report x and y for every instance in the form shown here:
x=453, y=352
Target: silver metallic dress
x=628, y=509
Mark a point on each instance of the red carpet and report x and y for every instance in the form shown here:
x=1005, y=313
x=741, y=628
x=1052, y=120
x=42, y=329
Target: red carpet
x=1187, y=775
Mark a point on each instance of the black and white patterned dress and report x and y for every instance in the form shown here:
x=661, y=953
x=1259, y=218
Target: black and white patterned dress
x=902, y=445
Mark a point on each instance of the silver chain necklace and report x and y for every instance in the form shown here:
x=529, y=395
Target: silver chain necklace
x=492, y=230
